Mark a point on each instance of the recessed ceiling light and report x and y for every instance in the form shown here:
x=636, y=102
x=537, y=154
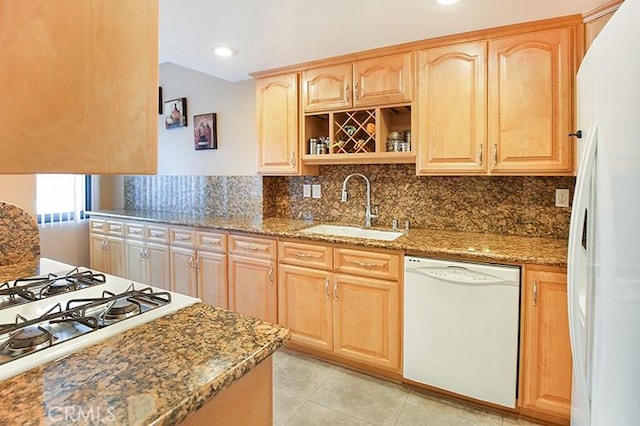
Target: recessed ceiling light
x=447, y=2
x=225, y=51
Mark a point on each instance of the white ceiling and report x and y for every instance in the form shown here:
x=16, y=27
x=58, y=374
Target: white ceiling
x=274, y=33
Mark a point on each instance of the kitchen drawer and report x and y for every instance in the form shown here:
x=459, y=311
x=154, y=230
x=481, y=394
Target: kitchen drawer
x=114, y=227
x=97, y=226
x=158, y=234
x=243, y=245
x=184, y=237
x=302, y=254
x=211, y=241
x=134, y=230
x=367, y=263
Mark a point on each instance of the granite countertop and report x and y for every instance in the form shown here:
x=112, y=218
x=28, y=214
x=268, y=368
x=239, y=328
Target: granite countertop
x=156, y=373
x=424, y=242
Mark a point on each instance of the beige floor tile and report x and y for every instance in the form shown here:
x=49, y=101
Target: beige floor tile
x=298, y=374
x=365, y=398
x=285, y=406
x=508, y=421
x=312, y=414
x=421, y=410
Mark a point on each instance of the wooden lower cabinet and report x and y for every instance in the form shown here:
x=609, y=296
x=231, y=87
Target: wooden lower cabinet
x=107, y=254
x=546, y=352
x=252, y=287
x=183, y=275
x=211, y=278
x=356, y=318
x=148, y=263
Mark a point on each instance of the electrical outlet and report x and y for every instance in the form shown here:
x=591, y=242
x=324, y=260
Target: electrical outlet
x=315, y=191
x=306, y=191
x=562, y=198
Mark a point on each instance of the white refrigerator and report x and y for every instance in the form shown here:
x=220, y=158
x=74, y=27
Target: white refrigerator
x=604, y=242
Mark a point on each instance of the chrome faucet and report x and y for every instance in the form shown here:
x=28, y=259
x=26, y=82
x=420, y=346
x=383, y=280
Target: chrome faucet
x=345, y=197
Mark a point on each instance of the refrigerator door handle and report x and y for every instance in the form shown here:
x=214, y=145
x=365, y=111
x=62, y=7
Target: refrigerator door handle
x=580, y=206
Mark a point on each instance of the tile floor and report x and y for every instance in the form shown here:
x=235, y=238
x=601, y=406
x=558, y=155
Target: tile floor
x=311, y=392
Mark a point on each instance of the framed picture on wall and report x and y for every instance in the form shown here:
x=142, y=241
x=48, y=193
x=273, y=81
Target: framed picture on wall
x=175, y=113
x=205, y=132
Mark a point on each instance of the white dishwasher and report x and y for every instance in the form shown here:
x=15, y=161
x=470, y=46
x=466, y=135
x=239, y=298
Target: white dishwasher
x=461, y=326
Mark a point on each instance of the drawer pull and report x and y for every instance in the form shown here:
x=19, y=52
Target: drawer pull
x=135, y=231
x=210, y=241
x=157, y=234
x=98, y=225
x=304, y=255
x=183, y=237
x=248, y=246
x=115, y=227
x=366, y=265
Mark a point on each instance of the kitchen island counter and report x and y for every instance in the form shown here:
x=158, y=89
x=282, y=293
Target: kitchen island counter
x=479, y=247
x=157, y=373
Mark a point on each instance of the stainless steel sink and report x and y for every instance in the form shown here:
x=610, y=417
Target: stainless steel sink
x=353, y=232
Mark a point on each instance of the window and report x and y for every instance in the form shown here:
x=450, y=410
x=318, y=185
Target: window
x=62, y=197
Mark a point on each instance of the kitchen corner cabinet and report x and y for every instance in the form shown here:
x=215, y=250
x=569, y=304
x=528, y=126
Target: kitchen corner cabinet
x=546, y=359
x=370, y=82
x=277, y=112
x=80, y=87
x=252, y=275
x=147, y=254
x=596, y=19
x=106, y=246
x=501, y=106
x=354, y=315
x=198, y=264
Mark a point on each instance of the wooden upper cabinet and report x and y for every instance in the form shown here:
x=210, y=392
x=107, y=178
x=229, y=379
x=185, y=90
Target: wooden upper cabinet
x=277, y=113
x=452, y=109
x=529, y=104
x=80, y=87
x=596, y=19
x=384, y=80
x=327, y=88
x=369, y=82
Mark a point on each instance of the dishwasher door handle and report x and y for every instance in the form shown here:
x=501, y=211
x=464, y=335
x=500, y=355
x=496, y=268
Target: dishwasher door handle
x=486, y=281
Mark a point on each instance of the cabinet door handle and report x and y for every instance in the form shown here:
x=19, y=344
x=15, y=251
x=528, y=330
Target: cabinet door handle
x=480, y=155
x=356, y=92
x=106, y=246
x=197, y=263
x=146, y=253
x=142, y=253
x=247, y=246
x=366, y=265
x=271, y=275
x=535, y=293
x=326, y=288
x=103, y=246
x=191, y=262
x=495, y=154
x=346, y=92
x=293, y=159
x=335, y=291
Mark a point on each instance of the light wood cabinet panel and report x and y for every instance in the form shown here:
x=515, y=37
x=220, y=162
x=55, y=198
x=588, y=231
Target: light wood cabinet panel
x=596, y=19
x=304, y=254
x=107, y=254
x=183, y=277
x=546, y=372
x=157, y=234
x=452, y=115
x=212, y=278
x=211, y=241
x=327, y=88
x=135, y=261
x=277, y=114
x=367, y=263
x=157, y=262
x=255, y=247
x=97, y=254
x=80, y=84
x=305, y=305
x=384, y=80
x=182, y=237
x=529, y=104
x=367, y=320
x=252, y=289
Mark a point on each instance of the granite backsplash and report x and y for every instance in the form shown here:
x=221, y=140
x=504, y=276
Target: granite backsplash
x=509, y=205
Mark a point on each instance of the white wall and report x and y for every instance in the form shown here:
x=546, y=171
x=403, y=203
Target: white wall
x=234, y=104
x=19, y=190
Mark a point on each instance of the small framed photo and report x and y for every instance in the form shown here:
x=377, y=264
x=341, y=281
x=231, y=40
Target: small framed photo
x=205, y=132
x=175, y=113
